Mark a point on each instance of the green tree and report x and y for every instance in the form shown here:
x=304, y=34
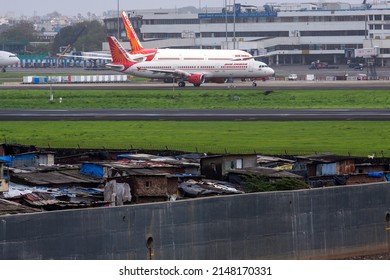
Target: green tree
x=256, y=183
x=84, y=36
x=20, y=32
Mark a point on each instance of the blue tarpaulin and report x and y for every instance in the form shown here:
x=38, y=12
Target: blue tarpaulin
x=375, y=174
x=7, y=160
x=92, y=169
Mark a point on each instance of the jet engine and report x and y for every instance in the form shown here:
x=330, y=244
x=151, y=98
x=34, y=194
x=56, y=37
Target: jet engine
x=196, y=79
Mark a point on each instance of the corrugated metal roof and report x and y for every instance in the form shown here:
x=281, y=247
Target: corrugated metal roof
x=264, y=171
x=55, y=178
x=323, y=158
x=9, y=207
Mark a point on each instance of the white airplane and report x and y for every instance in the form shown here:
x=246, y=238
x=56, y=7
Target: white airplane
x=139, y=53
x=178, y=54
x=195, y=72
x=7, y=59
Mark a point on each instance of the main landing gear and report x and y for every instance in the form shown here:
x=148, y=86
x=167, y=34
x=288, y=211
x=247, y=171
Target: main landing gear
x=183, y=84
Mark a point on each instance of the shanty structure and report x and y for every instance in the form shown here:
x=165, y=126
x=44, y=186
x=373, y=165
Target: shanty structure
x=3, y=180
x=146, y=180
x=217, y=166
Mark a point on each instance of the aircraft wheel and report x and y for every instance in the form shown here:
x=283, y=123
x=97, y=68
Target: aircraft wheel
x=254, y=84
x=181, y=84
x=196, y=85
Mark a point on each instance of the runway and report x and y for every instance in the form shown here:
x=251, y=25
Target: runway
x=197, y=115
x=202, y=114
x=267, y=85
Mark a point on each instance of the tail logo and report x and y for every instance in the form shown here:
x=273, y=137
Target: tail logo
x=118, y=54
x=134, y=42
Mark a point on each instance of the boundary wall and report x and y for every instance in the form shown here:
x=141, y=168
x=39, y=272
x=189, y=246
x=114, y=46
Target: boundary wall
x=327, y=223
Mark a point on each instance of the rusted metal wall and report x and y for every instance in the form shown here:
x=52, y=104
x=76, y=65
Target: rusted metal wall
x=346, y=167
x=321, y=223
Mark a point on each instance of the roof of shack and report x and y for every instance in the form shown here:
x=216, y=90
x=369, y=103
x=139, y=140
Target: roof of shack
x=323, y=158
x=264, y=171
x=64, y=177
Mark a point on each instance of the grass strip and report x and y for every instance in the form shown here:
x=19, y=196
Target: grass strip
x=355, y=138
x=192, y=99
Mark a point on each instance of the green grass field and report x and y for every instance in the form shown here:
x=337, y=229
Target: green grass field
x=186, y=99
x=357, y=138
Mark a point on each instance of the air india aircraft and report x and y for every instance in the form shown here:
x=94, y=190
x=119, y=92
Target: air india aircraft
x=139, y=53
x=194, y=71
x=179, y=54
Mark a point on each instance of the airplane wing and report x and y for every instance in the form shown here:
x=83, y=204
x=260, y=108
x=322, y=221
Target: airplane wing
x=173, y=72
x=87, y=56
x=104, y=56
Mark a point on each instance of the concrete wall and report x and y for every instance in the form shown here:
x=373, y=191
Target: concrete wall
x=308, y=224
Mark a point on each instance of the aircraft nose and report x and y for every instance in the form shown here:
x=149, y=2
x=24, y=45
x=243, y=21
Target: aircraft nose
x=15, y=60
x=271, y=72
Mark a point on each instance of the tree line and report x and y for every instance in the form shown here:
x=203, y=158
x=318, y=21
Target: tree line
x=83, y=36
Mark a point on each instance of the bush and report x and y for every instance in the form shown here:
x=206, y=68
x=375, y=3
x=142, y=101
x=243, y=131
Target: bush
x=255, y=183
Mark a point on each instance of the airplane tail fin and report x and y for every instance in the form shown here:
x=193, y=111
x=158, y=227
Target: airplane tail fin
x=118, y=53
x=131, y=35
x=120, y=59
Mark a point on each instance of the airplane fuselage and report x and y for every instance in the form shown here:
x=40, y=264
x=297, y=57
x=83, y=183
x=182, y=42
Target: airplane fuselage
x=177, y=54
x=7, y=59
x=197, y=69
x=193, y=54
x=207, y=68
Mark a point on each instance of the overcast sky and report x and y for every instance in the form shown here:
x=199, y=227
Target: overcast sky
x=73, y=7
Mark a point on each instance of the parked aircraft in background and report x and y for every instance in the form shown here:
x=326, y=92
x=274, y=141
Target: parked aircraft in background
x=194, y=71
x=179, y=54
x=7, y=59
x=139, y=53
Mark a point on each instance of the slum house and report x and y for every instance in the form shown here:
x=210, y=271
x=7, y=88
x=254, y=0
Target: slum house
x=29, y=160
x=37, y=182
x=191, y=183
x=146, y=183
x=8, y=152
x=216, y=167
x=370, y=172
x=330, y=170
x=368, y=167
x=169, y=164
x=275, y=162
x=14, y=149
x=3, y=179
x=55, y=188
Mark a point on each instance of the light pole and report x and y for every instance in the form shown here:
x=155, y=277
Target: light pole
x=118, y=18
x=226, y=24
x=234, y=24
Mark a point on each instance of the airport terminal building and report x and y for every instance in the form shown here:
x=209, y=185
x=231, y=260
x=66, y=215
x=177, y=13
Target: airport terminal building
x=283, y=33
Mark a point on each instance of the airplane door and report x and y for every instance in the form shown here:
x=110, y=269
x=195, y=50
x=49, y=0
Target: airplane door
x=250, y=67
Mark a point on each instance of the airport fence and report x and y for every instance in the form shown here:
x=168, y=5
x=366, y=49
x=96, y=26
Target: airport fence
x=196, y=148
x=71, y=79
